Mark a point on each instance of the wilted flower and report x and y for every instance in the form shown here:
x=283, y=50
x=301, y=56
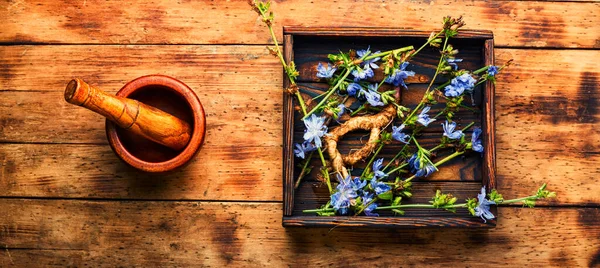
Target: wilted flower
x=315, y=129
x=449, y=131
x=370, y=62
x=423, y=117
x=398, y=135
x=460, y=84
x=325, y=72
x=483, y=206
x=398, y=76
x=302, y=149
x=366, y=199
x=379, y=187
x=476, y=140
x=353, y=89
x=362, y=74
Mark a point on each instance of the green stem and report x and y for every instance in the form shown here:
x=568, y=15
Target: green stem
x=318, y=210
x=362, y=107
x=437, y=71
x=422, y=206
x=385, y=53
x=480, y=70
x=302, y=173
x=448, y=158
x=326, y=174
x=331, y=91
x=301, y=101
x=396, y=156
x=427, y=43
x=517, y=200
x=468, y=126
x=371, y=160
x=397, y=168
x=436, y=147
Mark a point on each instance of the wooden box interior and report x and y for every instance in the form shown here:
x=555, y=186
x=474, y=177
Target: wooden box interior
x=463, y=176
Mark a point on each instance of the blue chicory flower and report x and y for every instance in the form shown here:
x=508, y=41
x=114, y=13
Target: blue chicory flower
x=398, y=76
x=492, y=70
x=398, y=135
x=353, y=89
x=483, y=206
x=372, y=97
x=379, y=187
x=377, y=165
x=370, y=62
x=366, y=198
x=423, y=117
x=450, y=132
x=415, y=167
x=347, y=192
x=302, y=149
x=315, y=129
x=460, y=84
x=362, y=74
x=325, y=72
x=452, y=62
x=476, y=140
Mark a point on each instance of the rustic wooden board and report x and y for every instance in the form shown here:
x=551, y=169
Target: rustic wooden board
x=539, y=143
x=526, y=121
x=63, y=232
x=515, y=23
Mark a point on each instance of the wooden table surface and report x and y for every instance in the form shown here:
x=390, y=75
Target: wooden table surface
x=66, y=199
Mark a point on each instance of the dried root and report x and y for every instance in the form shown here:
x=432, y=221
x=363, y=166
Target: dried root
x=368, y=122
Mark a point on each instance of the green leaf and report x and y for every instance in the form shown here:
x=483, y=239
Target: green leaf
x=386, y=196
x=399, y=212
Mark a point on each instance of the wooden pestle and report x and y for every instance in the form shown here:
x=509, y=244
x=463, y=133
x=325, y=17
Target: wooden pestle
x=132, y=115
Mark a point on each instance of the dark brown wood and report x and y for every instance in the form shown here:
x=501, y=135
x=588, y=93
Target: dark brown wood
x=132, y=115
x=311, y=45
x=288, y=134
x=489, y=126
x=377, y=32
x=172, y=96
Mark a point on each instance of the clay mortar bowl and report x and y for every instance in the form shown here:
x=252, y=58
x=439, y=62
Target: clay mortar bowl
x=169, y=95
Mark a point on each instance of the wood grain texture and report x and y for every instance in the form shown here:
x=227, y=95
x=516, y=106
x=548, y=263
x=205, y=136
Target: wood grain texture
x=59, y=232
x=515, y=23
x=536, y=142
x=226, y=172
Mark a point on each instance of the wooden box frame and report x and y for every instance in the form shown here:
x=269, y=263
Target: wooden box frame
x=487, y=122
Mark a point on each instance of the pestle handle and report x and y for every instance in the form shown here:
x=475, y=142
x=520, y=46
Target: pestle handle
x=130, y=114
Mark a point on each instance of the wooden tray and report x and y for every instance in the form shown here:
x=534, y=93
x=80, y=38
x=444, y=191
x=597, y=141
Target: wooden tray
x=463, y=177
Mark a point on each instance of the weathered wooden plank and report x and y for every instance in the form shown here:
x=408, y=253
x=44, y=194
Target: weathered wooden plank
x=44, y=232
x=515, y=23
x=529, y=127
x=224, y=172
x=219, y=75
x=527, y=93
